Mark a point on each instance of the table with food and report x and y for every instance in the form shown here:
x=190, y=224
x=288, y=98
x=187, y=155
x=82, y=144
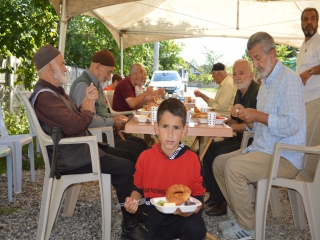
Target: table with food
x=142, y=124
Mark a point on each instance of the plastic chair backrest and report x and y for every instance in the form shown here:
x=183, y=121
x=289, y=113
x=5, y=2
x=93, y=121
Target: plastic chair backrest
x=3, y=130
x=109, y=97
x=44, y=139
x=313, y=139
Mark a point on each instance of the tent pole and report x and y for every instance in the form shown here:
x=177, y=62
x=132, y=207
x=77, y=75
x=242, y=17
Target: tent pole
x=63, y=27
x=121, y=55
x=238, y=15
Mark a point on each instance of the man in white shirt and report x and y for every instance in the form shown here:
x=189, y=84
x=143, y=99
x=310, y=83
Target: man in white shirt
x=224, y=98
x=308, y=62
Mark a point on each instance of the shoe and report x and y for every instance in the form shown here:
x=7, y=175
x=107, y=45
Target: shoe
x=132, y=230
x=227, y=224
x=219, y=209
x=236, y=232
x=210, y=204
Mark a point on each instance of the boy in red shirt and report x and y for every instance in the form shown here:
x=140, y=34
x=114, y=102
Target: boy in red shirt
x=167, y=163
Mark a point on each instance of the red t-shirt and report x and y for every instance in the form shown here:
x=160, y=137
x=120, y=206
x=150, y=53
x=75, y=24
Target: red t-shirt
x=108, y=88
x=123, y=90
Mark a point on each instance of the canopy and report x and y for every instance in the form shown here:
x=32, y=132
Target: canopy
x=137, y=22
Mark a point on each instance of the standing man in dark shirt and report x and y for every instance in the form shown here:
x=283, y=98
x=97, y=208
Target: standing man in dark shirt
x=54, y=107
x=247, y=96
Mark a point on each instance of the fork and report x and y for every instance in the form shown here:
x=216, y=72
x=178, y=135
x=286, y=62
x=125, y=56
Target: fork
x=140, y=202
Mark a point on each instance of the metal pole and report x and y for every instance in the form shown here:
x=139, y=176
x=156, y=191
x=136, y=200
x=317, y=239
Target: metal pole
x=156, y=57
x=121, y=55
x=63, y=27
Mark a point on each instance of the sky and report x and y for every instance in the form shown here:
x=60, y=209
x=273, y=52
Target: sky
x=231, y=48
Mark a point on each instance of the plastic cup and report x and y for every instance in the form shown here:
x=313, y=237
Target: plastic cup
x=211, y=116
x=154, y=110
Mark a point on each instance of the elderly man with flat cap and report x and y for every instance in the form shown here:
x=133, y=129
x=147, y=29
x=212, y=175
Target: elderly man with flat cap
x=54, y=107
x=223, y=100
x=100, y=70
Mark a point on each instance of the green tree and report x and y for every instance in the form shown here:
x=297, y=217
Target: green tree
x=86, y=35
x=211, y=58
x=284, y=53
x=169, y=56
x=25, y=26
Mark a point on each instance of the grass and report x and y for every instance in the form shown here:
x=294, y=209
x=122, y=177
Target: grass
x=7, y=211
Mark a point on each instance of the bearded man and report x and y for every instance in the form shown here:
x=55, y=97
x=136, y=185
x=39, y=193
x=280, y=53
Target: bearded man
x=247, y=96
x=279, y=117
x=308, y=61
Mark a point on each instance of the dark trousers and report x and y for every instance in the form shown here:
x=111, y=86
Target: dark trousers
x=184, y=228
x=132, y=144
x=120, y=165
x=216, y=149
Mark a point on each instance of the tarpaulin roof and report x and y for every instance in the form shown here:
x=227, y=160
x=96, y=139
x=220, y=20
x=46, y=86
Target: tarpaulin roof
x=155, y=20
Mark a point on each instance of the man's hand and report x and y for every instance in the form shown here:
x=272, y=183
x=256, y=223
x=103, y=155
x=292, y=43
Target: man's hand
x=92, y=92
x=304, y=77
x=120, y=121
x=248, y=115
x=159, y=92
x=235, y=109
x=197, y=93
x=88, y=104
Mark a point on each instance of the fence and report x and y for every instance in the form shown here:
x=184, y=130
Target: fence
x=10, y=79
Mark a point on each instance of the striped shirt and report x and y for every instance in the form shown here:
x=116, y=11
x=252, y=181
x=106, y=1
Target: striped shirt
x=281, y=96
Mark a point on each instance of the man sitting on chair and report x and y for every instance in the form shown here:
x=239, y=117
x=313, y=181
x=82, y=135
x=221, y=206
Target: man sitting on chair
x=280, y=117
x=125, y=99
x=100, y=70
x=246, y=96
x=54, y=107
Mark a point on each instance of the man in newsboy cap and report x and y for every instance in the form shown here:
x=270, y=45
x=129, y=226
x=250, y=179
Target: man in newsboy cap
x=223, y=100
x=54, y=107
x=101, y=67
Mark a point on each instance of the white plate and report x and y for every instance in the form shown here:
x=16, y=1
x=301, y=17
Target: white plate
x=143, y=118
x=144, y=112
x=220, y=121
x=202, y=120
x=170, y=210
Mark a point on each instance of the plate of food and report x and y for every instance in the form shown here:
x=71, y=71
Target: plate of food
x=177, y=196
x=143, y=111
x=143, y=118
x=163, y=206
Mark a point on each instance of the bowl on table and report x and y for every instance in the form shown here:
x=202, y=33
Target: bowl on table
x=220, y=120
x=172, y=209
x=143, y=118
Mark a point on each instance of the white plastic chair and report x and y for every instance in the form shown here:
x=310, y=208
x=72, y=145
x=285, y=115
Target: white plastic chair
x=72, y=194
x=16, y=142
x=67, y=182
x=109, y=96
x=304, y=189
x=5, y=151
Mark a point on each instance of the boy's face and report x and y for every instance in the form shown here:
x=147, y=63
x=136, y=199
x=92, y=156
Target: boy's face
x=170, y=130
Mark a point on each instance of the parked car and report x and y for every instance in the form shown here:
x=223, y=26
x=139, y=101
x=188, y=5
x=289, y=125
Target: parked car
x=170, y=80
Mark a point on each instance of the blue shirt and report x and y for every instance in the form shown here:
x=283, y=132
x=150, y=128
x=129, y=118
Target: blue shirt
x=281, y=96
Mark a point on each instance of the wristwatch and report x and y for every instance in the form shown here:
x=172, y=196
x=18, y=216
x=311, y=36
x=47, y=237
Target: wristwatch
x=310, y=71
